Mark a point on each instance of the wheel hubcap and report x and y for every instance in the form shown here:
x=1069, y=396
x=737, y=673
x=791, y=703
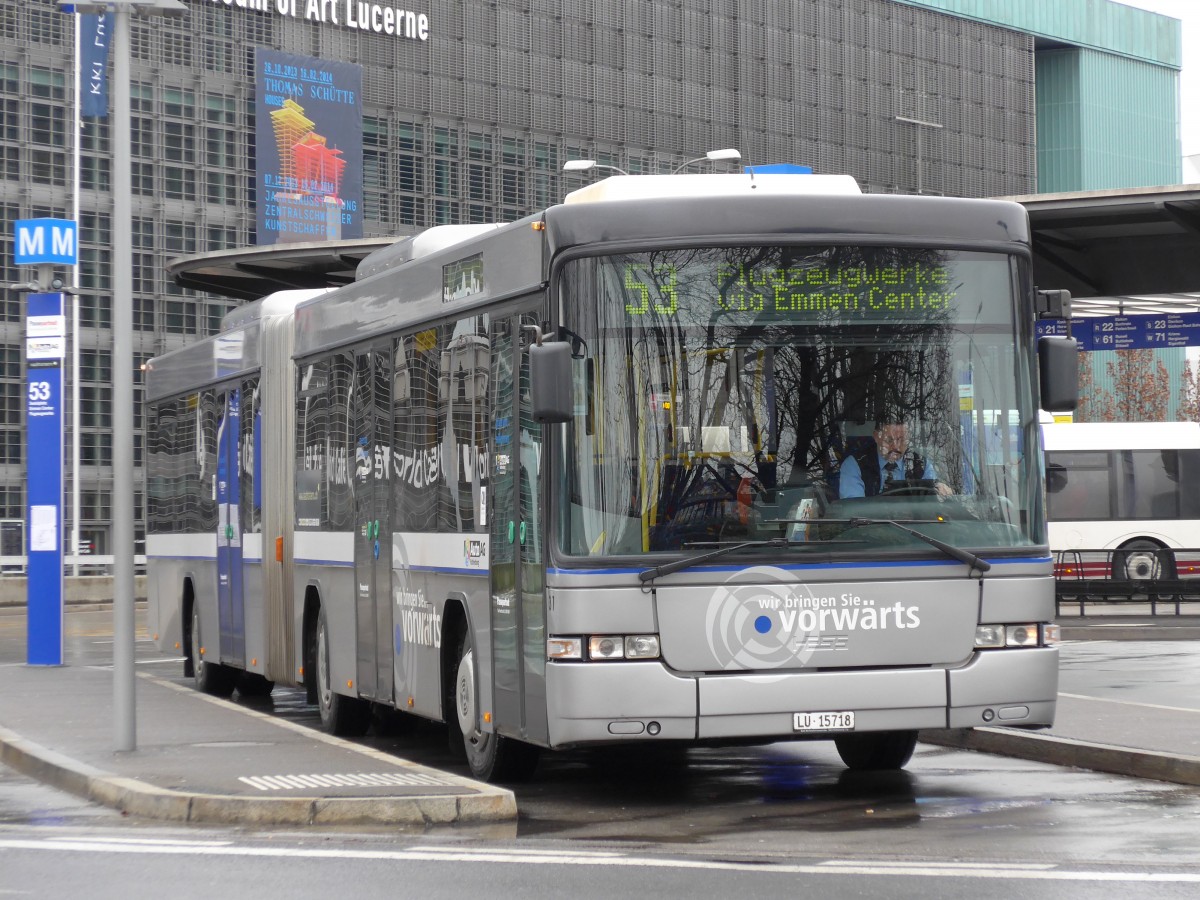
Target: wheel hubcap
x=196, y=662
x=464, y=691
x=324, y=691
x=1141, y=565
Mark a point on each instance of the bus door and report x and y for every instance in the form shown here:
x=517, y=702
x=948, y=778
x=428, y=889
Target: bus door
x=372, y=405
x=518, y=617
x=231, y=614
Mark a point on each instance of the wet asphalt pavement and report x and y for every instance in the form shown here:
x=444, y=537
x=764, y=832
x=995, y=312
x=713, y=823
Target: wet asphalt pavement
x=793, y=799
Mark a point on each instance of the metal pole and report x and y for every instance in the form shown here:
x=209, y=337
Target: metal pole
x=920, y=123
x=75, y=308
x=124, y=682
x=920, y=190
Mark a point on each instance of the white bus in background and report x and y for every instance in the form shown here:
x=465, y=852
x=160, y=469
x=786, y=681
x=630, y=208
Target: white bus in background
x=1132, y=488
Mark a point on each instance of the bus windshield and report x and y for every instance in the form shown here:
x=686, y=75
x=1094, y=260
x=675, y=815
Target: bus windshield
x=732, y=394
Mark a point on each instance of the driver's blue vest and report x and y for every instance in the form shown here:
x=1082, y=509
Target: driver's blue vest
x=868, y=465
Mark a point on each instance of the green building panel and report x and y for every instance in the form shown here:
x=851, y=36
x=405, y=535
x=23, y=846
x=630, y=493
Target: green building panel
x=1098, y=24
x=1107, y=85
x=1105, y=122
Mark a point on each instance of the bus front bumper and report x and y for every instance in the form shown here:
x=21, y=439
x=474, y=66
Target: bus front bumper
x=596, y=703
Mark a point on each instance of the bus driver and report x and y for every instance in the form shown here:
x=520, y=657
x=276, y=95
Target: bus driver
x=885, y=462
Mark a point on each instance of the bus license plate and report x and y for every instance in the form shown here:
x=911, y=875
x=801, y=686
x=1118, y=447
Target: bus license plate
x=823, y=721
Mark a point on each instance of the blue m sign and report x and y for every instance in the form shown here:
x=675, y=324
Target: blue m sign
x=41, y=241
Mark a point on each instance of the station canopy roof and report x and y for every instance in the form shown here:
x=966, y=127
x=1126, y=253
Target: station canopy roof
x=1122, y=252
x=252, y=272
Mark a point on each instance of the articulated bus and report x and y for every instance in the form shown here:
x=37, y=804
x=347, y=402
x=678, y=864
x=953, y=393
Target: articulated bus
x=574, y=480
x=1131, y=489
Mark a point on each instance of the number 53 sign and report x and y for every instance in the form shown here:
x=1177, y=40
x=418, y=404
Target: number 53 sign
x=40, y=392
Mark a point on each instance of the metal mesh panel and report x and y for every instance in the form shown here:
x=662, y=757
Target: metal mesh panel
x=546, y=37
x=577, y=41
x=609, y=46
x=446, y=95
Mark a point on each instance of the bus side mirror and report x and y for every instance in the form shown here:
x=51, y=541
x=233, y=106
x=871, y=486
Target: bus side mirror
x=550, y=381
x=1058, y=365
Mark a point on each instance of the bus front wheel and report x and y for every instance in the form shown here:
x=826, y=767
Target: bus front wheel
x=876, y=751
x=491, y=756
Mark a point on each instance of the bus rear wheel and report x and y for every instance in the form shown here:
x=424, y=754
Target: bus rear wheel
x=876, y=751
x=491, y=757
x=340, y=715
x=208, y=677
x=1143, y=560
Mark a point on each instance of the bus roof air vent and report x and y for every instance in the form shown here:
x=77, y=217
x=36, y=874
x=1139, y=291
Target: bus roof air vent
x=429, y=241
x=278, y=303
x=645, y=187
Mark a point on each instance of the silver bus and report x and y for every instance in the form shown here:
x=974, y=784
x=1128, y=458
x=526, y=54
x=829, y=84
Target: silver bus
x=576, y=480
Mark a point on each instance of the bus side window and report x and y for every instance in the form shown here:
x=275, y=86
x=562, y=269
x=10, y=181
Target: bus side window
x=1085, y=493
x=1188, y=484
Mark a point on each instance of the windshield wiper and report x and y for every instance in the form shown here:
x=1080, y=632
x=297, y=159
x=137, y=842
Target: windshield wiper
x=689, y=561
x=965, y=556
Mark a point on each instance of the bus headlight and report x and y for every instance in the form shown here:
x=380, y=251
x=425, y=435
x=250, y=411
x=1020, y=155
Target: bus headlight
x=989, y=636
x=606, y=647
x=1021, y=636
x=641, y=646
x=564, y=648
x=1032, y=634
x=603, y=647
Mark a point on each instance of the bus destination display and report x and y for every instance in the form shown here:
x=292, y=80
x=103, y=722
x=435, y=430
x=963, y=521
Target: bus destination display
x=788, y=290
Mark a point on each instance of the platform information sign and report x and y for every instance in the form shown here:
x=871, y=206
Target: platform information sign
x=1146, y=332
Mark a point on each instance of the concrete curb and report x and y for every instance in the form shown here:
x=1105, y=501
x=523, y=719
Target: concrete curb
x=496, y=807
x=1062, y=751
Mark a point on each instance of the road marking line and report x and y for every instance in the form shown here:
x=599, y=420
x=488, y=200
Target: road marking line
x=999, y=871
x=902, y=864
x=147, y=842
x=1129, y=703
x=595, y=854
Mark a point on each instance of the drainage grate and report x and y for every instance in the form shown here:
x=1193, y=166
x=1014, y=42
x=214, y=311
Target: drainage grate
x=379, y=779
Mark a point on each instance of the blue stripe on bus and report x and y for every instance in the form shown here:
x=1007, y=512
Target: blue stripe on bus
x=1008, y=561
x=441, y=570
x=446, y=570
x=246, y=561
